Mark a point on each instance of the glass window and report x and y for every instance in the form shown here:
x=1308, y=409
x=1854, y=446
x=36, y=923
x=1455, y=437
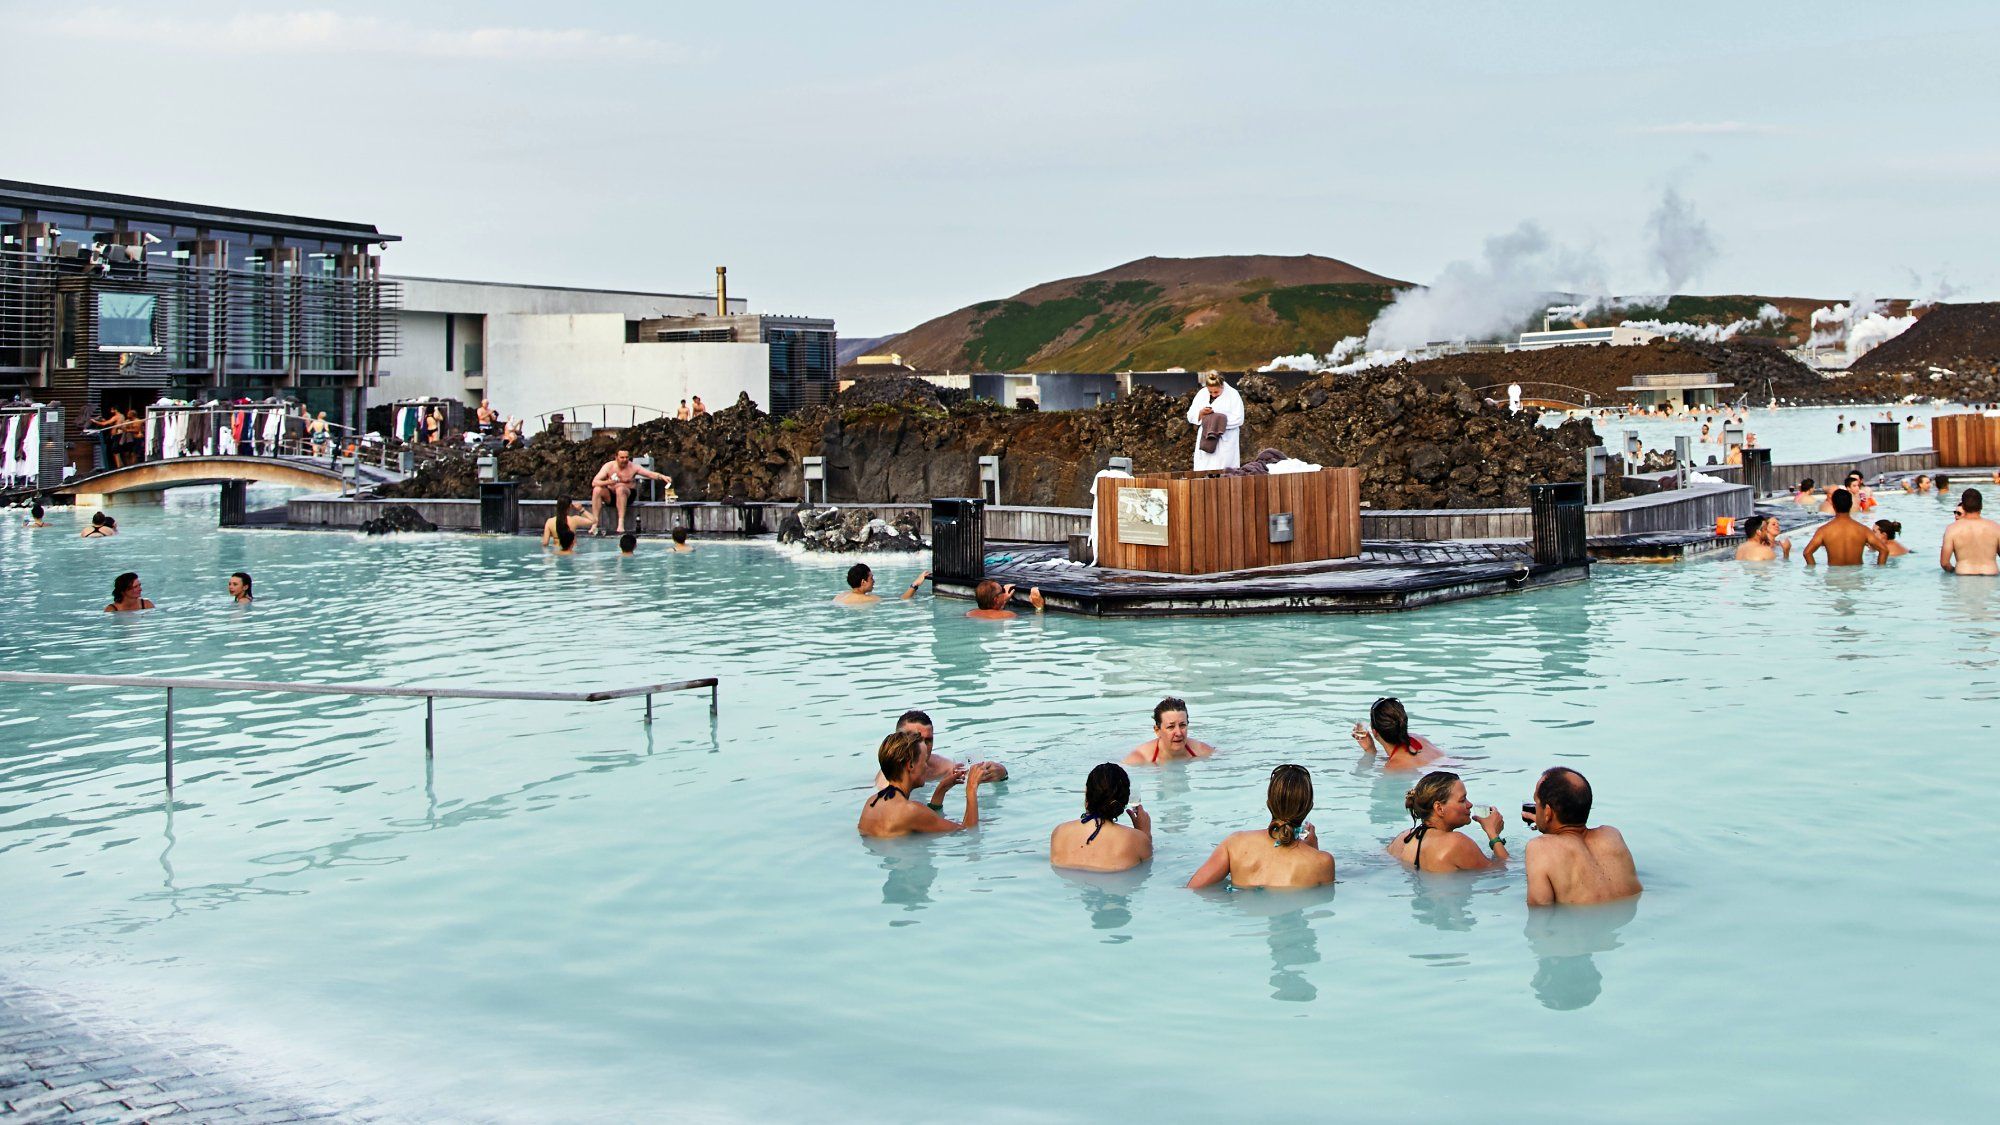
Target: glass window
x=124, y=320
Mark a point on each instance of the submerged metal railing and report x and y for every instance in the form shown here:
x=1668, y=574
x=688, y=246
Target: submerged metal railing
x=430, y=695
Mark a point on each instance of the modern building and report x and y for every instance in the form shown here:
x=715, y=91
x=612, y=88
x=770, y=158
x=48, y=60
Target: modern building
x=538, y=350
x=1682, y=389
x=1568, y=337
x=115, y=300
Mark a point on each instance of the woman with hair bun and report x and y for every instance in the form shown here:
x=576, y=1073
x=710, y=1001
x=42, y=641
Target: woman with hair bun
x=1389, y=729
x=1438, y=806
x=1890, y=529
x=1096, y=841
x=1286, y=853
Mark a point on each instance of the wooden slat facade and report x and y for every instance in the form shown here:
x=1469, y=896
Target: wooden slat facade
x=1217, y=524
x=1966, y=441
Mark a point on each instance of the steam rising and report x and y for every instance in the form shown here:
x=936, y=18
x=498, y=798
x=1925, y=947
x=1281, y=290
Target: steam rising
x=1709, y=333
x=1682, y=247
x=1514, y=279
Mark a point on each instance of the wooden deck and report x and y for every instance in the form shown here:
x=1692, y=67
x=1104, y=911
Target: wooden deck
x=1386, y=577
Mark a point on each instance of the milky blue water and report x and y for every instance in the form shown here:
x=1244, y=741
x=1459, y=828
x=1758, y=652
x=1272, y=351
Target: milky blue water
x=571, y=917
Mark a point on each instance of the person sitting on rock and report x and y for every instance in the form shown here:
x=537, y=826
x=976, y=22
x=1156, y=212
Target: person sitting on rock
x=861, y=587
x=992, y=598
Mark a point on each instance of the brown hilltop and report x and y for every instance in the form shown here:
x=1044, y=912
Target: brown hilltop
x=1232, y=311
x=1964, y=338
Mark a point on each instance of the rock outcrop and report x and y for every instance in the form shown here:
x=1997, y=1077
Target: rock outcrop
x=397, y=517
x=840, y=530
x=1417, y=447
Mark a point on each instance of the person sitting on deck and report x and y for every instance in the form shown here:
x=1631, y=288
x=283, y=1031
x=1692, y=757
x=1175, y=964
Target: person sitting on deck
x=1439, y=807
x=1760, y=540
x=1571, y=863
x=1170, y=739
x=992, y=599
x=127, y=596
x=1972, y=542
x=1390, y=723
x=936, y=766
x=1843, y=537
x=618, y=480
x=891, y=812
x=1096, y=841
x=1284, y=854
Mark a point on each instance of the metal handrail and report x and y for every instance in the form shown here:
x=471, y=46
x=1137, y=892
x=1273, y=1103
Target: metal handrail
x=603, y=409
x=429, y=694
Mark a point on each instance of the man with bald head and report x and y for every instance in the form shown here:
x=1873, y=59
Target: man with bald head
x=1571, y=863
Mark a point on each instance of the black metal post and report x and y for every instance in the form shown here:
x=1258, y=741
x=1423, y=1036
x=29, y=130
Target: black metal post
x=1557, y=512
x=958, y=539
x=235, y=503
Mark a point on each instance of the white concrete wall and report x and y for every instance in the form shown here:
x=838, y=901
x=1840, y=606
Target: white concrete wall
x=536, y=364
x=417, y=368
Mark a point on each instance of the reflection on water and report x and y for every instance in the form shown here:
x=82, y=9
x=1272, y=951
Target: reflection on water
x=1107, y=896
x=1563, y=939
x=1443, y=900
x=1288, y=931
x=909, y=869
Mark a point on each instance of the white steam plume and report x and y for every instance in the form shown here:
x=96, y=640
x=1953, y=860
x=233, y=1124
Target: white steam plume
x=1517, y=274
x=1709, y=333
x=1681, y=244
x=1857, y=328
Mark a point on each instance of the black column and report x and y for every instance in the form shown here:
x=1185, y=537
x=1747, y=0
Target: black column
x=1557, y=511
x=235, y=502
x=958, y=540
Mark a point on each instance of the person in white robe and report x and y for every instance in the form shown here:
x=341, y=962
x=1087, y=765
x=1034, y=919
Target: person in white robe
x=1216, y=397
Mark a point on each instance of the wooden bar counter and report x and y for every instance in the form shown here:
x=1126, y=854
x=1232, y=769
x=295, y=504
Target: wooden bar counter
x=1206, y=523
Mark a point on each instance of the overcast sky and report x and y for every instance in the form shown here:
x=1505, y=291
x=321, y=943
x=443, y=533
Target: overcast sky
x=882, y=164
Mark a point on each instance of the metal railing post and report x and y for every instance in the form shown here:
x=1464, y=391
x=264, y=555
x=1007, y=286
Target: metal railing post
x=712, y=688
x=170, y=738
x=649, y=708
x=430, y=725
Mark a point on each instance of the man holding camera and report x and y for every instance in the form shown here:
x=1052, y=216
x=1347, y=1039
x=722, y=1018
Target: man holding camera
x=1571, y=863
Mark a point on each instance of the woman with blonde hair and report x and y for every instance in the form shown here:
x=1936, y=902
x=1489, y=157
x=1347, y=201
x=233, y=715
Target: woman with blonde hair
x=1438, y=806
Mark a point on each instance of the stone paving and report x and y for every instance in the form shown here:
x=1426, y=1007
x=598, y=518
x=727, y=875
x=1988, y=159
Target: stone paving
x=61, y=1063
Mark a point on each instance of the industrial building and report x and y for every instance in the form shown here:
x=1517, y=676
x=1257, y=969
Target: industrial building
x=538, y=350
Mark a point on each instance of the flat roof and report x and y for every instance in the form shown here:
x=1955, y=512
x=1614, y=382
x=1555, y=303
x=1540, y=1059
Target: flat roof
x=559, y=288
x=49, y=197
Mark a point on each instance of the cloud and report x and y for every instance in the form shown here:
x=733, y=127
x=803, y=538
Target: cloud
x=330, y=33
x=1707, y=129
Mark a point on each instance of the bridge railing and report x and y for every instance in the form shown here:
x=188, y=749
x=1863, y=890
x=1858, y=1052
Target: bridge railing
x=430, y=694
x=603, y=415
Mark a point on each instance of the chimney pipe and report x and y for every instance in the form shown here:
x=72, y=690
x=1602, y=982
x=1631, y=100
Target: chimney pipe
x=722, y=290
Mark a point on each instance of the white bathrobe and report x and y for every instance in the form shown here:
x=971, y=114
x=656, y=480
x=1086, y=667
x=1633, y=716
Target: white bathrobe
x=1228, y=451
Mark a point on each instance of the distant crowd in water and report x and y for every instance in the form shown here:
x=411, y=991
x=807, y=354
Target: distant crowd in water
x=1569, y=862
x=1970, y=546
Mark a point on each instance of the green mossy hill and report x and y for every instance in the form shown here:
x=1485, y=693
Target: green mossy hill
x=1227, y=312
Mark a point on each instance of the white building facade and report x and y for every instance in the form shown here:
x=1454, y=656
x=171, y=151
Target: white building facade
x=538, y=350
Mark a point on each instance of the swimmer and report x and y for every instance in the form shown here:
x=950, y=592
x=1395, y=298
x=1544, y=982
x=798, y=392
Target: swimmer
x=126, y=595
x=1843, y=537
x=1389, y=723
x=1919, y=483
x=101, y=527
x=34, y=519
x=559, y=527
x=681, y=542
x=992, y=599
x=1170, y=739
x=1761, y=542
x=1888, y=530
x=618, y=480
x=1972, y=542
x=1097, y=842
x=1571, y=863
x=628, y=544
x=567, y=510
x=1439, y=807
x=936, y=766
x=890, y=812
x=1805, y=492
x=861, y=587
x=1863, y=498
x=239, y=588
x=1284, y=854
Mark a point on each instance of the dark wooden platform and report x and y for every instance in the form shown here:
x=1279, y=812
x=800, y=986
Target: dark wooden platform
x=1388, y=576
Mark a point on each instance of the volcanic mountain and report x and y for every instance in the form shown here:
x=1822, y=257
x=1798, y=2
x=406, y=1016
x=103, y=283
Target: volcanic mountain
x=1156, y=313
